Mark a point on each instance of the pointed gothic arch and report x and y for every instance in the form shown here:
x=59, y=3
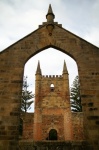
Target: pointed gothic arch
x=44, y=58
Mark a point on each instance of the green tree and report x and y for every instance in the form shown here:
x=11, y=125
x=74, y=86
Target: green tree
x=27, y=97
x=75, y=97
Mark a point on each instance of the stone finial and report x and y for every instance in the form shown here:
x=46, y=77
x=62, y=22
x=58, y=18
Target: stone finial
x=50, y=20
x=65, y=68
x=38, y=71
x=50, y=15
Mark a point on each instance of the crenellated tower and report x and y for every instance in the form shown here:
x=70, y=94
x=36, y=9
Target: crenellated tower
x=52, y=119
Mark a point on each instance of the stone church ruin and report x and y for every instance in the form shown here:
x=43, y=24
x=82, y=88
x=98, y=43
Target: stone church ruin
x=53, y=123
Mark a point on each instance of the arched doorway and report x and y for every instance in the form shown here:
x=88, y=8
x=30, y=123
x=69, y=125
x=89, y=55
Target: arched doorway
x=53, y=134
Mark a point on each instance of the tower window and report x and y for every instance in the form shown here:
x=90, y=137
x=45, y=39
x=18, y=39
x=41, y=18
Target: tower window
x=52, y=87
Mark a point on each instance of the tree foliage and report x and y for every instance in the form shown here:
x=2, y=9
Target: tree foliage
x=75, y=97
x=27, y=97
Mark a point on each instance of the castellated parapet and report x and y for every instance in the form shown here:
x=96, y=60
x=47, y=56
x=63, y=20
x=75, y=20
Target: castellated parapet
x=52, y=76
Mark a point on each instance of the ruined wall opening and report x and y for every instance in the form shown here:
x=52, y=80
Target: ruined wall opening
x=51, y=62
x=53, y=135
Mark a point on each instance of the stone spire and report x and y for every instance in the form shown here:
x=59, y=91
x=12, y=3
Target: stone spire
x=38, y=71
x=50, y=15
x=65, y=68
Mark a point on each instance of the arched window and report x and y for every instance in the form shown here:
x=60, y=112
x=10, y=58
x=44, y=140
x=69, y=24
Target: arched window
x=53, y=134
x=52, y=87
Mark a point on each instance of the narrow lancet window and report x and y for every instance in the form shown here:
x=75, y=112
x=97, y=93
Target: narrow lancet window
x=52, y=87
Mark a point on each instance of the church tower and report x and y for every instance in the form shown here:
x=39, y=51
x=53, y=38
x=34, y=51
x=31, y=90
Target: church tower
x=52, y=117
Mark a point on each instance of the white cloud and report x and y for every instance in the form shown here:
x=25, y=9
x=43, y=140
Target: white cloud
x=93, y=36
x=17, y=19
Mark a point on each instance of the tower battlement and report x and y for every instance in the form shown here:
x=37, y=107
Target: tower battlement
x=39, y=72
x=52, y=76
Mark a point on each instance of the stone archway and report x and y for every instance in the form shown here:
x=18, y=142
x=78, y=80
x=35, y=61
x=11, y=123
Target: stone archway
x=13, y=59
x=53, y=134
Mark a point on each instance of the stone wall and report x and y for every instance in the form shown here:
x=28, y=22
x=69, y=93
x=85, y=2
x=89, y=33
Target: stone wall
x=28, y=119
x=78, y=128
x=53, y=122
x=57, y=122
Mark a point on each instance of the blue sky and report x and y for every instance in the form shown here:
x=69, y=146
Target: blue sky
x=18, y=18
